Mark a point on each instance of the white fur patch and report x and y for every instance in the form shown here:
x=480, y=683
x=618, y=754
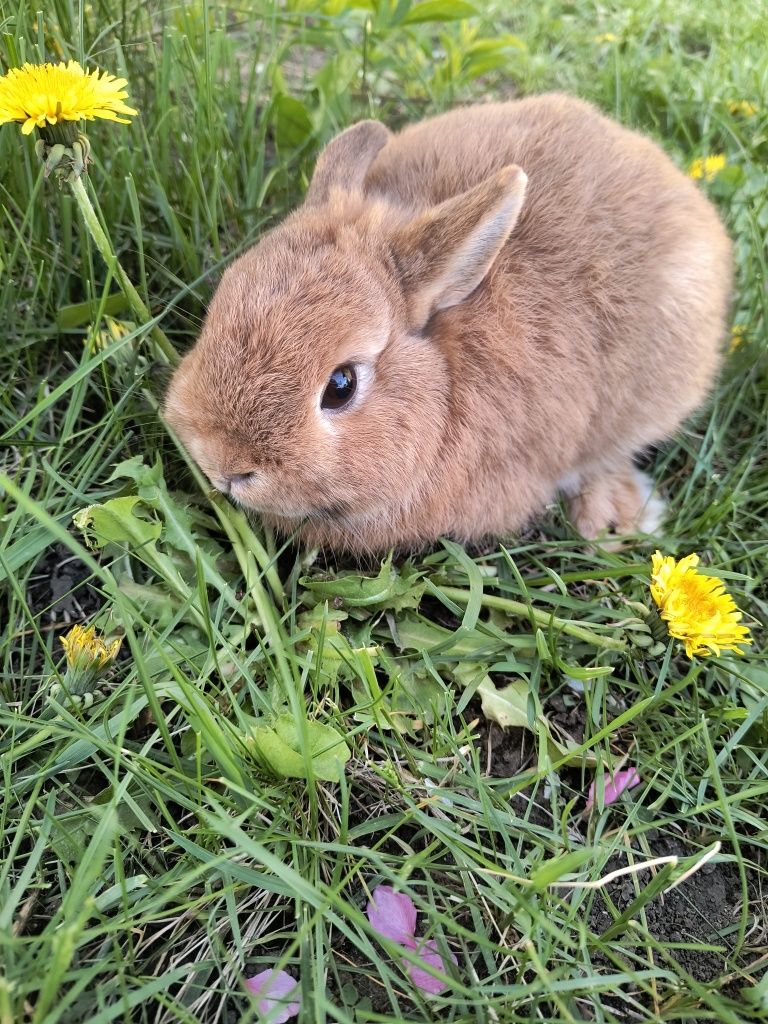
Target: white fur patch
x=654, y=507
x=570, y=484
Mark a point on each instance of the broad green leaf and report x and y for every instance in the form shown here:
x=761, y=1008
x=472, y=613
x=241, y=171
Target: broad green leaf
x=84, y=312
x=439, y=10
x=486, y=55
x=414, y=697
x=178, y=529
x=152, y=600
x=419, y=634
x=116, y=522
x=291, y=120
x=279, y=749
x=507, y=707
x=333, y=653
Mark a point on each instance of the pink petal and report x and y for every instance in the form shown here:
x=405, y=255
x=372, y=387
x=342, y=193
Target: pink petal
x=274, y=987
x=428, y=954
x=392, y=914
x=615, y=787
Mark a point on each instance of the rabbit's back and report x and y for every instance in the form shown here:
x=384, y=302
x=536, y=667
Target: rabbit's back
x=614, y=284
x=576, y=159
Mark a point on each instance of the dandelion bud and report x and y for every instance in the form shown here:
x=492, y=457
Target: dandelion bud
x=88, y=658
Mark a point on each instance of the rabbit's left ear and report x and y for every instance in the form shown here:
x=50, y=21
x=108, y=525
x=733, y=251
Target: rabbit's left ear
x=344, y=162
x=445, y=253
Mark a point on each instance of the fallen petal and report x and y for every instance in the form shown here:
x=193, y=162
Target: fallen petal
x=274, y=988
x=615, y=786
x=392, y=914
x=422, y=979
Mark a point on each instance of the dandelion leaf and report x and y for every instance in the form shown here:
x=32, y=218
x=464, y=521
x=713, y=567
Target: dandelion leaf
x=388, y=590
x=117, y=522
x=279, y=749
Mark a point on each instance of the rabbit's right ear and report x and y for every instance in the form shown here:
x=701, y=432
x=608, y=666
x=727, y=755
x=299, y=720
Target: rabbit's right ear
x=443, y=254
x=345, y=160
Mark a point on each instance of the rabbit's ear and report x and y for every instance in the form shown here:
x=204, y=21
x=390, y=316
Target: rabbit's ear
x=345, y=160
x=445, y=253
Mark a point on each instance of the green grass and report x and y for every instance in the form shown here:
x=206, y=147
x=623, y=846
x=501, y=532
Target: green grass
x=151, y=858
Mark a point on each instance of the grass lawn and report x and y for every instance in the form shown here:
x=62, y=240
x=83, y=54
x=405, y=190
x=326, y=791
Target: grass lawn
x=278, y=734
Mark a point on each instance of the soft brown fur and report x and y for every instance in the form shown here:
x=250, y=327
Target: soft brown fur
x=520, y=341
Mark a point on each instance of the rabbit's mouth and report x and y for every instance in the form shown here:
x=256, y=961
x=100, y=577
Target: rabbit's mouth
x=294, y=515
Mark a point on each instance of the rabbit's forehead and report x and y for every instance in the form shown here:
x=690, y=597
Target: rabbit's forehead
x=309, y=336
x=320, y=282
x=296, y=321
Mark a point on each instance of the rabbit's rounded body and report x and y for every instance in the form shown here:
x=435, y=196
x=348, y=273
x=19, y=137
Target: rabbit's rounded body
x=511, y=347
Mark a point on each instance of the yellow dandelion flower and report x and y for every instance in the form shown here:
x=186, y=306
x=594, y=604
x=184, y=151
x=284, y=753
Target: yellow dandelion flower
x=742, y=107
x=99, y=339
x=696, y=608
x=738, y=335
x=707, y=167
x=40, y=95
x=606, y=37
x=85, y=650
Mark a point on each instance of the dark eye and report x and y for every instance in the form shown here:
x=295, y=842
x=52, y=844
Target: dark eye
x=340, y=388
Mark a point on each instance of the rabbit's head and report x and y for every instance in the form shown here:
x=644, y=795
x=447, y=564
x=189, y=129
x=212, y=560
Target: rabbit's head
x=319, y=392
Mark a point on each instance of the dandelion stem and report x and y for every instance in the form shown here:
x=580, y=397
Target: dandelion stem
x=541, y=618
x=104, y=246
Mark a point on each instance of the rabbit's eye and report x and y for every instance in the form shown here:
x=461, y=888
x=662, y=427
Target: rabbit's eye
x=340, y=387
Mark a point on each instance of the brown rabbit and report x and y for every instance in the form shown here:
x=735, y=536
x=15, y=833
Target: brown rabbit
x=496, y=305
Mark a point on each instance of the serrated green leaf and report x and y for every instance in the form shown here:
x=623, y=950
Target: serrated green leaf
x=178, y=528
x=116, y=522
x=390, y=589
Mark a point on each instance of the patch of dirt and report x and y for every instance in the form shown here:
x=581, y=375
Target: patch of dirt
x=360, y=986
x=508, y=752
x=568, y=712
x=59, y=590
x=503, y=752
x=700, y=910
x=703, y=910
